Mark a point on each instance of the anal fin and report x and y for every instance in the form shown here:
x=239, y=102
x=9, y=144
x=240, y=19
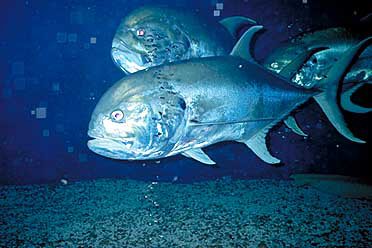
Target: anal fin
x=291, y=123
x=198, y=155
x=258, y=145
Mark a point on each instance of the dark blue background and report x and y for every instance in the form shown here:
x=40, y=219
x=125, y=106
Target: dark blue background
x=32, y=62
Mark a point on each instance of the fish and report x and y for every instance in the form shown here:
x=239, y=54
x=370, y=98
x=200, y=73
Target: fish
x=344, y=186
x=338, y=40
x=153, y=35
x=185, y=106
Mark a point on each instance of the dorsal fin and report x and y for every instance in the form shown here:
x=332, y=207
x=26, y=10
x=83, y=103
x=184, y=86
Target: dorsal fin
x=327, y=100
x=292, y=68
x=235, y=23
x=243, y=47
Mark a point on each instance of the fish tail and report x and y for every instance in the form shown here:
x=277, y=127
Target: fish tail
x=348, y=105
x=332, y=84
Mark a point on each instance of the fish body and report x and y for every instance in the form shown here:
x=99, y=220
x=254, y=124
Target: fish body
x=152, y=35
x=195, y=104
x=181, y=107
x=338, y=40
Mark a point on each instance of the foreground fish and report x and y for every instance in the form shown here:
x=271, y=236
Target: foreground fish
x=344, y=186
x=182, y=107
x=151, y=36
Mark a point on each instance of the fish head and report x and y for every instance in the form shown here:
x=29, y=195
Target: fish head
x=135, y=126
x=145, y=39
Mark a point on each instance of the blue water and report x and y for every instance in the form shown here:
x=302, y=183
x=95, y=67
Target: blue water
x=55, y=64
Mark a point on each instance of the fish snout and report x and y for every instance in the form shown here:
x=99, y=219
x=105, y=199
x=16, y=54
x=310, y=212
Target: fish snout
x=128, y=60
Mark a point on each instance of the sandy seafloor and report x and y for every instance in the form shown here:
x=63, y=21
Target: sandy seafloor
x=221, y=213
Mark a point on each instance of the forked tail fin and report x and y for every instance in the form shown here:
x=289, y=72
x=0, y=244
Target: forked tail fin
x=348, y=104
x=328, y=100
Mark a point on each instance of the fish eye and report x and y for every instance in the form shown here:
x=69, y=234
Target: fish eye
x=140, y=32
x=117, y=115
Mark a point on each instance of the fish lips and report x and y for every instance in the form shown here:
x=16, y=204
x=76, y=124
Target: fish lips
x=128, y=60
x=111, y=148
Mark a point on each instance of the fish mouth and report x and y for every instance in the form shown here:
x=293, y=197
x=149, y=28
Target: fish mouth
x=128, y=60
x=111, y=148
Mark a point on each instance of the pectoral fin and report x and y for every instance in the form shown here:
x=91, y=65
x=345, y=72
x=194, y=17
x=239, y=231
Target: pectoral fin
x=348, y=105
x=235, y=23
x=292, y=124
x=258, y=145
x=198, y=155
x=243, y=48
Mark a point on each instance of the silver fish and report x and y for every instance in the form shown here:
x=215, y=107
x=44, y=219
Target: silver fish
x=179, y=108
x=151, y=36
x=312, y=73
x=338, y=40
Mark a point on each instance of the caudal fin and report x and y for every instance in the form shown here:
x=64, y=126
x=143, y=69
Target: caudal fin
x=328, y=100
x=348, y=105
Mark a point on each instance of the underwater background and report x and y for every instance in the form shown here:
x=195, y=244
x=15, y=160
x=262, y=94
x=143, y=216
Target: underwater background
x=55, y=64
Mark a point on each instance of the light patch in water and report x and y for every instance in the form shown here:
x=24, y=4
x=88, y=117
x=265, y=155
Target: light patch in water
x=41, y=113
x=46, y=133
x=219, y=6
x=93, y=40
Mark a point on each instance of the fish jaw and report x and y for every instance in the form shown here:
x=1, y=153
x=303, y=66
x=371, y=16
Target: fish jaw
x=111, y=148
x=127, y=60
